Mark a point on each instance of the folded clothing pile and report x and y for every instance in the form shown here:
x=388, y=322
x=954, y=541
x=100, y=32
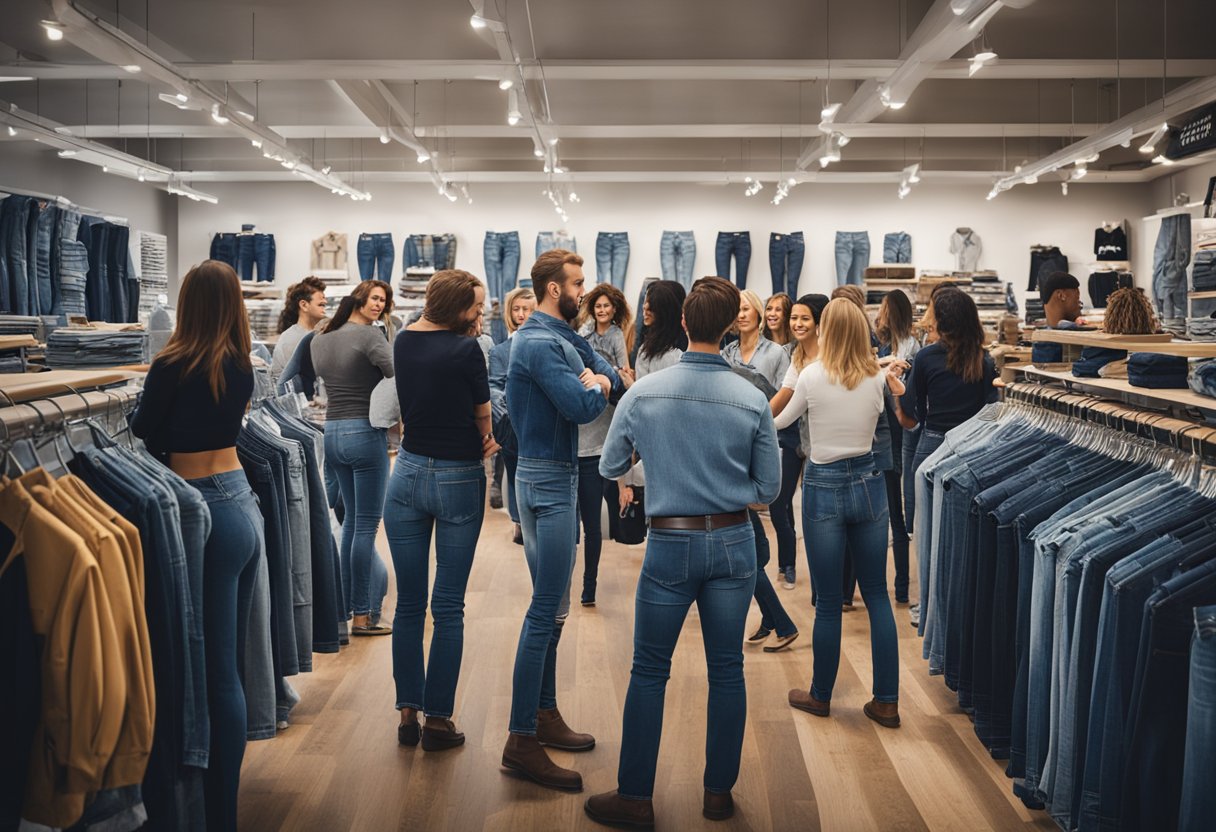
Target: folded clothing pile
x=1094, y=359
x=1203, y=378
x=95, y=348
x=1156, y=371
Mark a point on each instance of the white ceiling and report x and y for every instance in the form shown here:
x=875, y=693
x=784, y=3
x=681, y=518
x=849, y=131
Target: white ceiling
x=634, y=88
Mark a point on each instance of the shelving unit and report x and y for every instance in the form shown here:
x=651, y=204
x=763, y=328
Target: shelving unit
x=1176, y=400
x=1163, y=344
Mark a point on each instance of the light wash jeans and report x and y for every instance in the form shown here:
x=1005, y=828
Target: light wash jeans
x=852, y=257
x=678, y=256
x=612, y=257
x=357, y=454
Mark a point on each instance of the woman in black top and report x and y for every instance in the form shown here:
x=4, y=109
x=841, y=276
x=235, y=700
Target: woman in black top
x=438, y=486
x=194, y=398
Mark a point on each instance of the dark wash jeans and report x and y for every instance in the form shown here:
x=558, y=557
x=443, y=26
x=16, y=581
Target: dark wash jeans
x=1199, y=764
x=785, y=255
x=737, y=244
x=547, y=498
x=782, y=511
x=845, y=504
x=716, y=570
x=233, y=549
x=772, y=614
x=446, y=498
x=590, y=495
x=375, y=255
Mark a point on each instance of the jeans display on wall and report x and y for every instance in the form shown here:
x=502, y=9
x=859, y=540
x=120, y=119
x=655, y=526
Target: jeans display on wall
x=1051, y=578
x=678, y=256
x=897, y=247
x=852, y=257
x=375, y=254
x=785, y=255
x=436, y=251
x=612, y=257
x=549, y=240
x=255, y=250
x=502, y=270
x=1044, y=261
x=1104, y=284
x=1171, y=255
x=736, y=244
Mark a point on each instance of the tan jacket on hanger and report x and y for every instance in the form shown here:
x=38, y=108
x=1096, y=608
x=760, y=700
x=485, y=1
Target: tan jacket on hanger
x=329, y=253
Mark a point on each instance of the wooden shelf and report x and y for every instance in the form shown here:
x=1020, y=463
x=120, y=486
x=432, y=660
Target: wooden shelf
x=1163, y=344
x=1125, y=390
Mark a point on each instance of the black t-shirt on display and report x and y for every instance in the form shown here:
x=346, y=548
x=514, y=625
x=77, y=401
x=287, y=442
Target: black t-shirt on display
x=938, y=398
x=440, y=377
x=1110, y=245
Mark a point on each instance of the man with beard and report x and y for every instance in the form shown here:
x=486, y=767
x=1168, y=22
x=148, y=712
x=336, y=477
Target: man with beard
x=555, y=383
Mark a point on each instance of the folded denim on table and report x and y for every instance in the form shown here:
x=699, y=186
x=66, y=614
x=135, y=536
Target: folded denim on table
x=1156, y=371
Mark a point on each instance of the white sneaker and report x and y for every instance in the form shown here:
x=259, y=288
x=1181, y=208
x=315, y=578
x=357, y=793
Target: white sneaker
x=914, y=614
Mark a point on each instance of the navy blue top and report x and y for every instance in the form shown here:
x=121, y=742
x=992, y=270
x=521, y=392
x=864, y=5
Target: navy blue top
x=441, y=376
x=179, y=415
x=938, y=398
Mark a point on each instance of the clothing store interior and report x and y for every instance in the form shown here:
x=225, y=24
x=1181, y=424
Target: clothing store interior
x=337, y=493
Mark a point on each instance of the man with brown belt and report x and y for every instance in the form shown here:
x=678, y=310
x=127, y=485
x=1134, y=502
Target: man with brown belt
x=710, y=448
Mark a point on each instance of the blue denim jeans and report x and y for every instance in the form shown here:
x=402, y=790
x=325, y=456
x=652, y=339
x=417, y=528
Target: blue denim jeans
x=612, y=257
x=897, y=247
x=375, y=254
x=233, y=550
x=43, y=223
x=1199, y=763
x=224, y=249
x=845, y=504
x=772, y=614
x=501, y=252
x=590, y=497
x=549, y=240
x=852, y=257
x=737, y=244
x=446, y=498
x=782, y=511
x=15, y=242
x=1171, y=255
x=716, y=570
x=785, y=255
x=678, y=256
x=547, y=497
x=256, y=250
x=358, y=455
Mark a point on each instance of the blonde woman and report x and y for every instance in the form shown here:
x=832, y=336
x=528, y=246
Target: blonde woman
x=753, y=349
x=842, y=395
x=520, y=304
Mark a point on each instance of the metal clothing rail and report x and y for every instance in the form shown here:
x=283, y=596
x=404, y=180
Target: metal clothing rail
x=27, y=419
x=63, y=201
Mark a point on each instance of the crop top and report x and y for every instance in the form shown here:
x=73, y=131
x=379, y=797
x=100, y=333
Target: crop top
x=179, y=415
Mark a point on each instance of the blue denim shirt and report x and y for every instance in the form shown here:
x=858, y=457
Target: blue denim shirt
x=705, y=434
x=545, y=399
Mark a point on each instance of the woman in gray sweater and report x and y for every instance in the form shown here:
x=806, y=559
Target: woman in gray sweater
x=351, y=356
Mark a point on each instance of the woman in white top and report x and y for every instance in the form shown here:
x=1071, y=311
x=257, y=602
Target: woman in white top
x=845, y=502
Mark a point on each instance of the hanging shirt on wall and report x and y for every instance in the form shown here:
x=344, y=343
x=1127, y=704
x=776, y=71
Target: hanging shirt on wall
x=329, y=252
x=966, y=245
x=1112, y=244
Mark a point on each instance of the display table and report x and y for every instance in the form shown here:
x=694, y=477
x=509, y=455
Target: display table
x=21, y=387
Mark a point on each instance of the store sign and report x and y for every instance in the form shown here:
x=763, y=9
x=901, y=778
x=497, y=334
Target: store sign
x=1196, y=135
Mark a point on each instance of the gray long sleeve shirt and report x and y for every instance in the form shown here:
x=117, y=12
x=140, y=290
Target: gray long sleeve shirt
x=351, y=362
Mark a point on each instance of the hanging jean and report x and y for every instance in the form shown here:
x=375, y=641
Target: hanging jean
x=117, y=257
x=223, y=248
x=612, y=257
x=549, y=240
x=785, y=255
x=375, y=255
x=14, y=240
x=42, y=225
x=852, y=257
x=1170, y=258
x=737, y=244
x=256, y=249
x=94, y=233
x=502, y=268
x=436, y=251
x=1044, y=262
x=678, y=256
x=67, y=226
x=897, y=247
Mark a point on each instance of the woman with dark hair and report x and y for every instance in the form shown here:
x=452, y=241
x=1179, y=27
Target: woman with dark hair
x=303, y=308
x=663, y=338
x=189, y=415
x=351, y=356
x=438, y=487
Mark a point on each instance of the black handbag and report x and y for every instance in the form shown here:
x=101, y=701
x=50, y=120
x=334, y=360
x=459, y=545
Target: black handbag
x=632, y=528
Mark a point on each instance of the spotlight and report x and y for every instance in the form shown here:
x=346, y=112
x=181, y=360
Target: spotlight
x=325, y=170
x=505, y=84
x=559, y=169
x=477, y=21
x=1064, y=188
x=132, y=68
x=54, y=29
x=904, y=190
x=842, y=139
x=1031, y=180
x=1079, y=171
x=1161, y=159
x=140, y=176
x=538, y=153
x=256, y=142
x=1151, y=144
x=182, y=97
x=992, y=194
x=384, y=138
x=829, y=112
x=12, y=131
x=791, y=181
x=912, y=173
x=217, y=116
x=553, y=141
x=423, y=157
x=513, y=114
x=66, y=154
x=105, y=168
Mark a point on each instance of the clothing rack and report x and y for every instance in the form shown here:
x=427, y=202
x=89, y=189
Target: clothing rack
x=27, y=419
x=63, y=201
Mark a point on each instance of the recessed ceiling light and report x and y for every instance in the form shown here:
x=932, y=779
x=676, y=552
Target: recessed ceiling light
x=54, y=29
x=12, y=131
x=133, y=68
x=506, y=84
x=66, y=154
x=477, y=21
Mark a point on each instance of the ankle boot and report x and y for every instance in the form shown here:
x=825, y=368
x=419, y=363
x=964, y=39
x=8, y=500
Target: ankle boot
x=804, y=701
x=440, y=735
x=518, y=536
x=408, y=733
x=885, y=714
x=523, y=753
x=718, y=806
x=552, y=731
x=612, y=809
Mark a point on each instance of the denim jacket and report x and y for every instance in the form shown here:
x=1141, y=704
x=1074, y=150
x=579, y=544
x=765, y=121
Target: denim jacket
x=705, y=434
x=545, y=400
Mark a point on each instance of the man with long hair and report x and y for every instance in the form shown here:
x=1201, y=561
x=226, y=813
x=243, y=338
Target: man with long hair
x=555, y=382
x=303, y=308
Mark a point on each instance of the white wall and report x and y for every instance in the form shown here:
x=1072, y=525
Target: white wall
x=296, y=213
x=33, y=167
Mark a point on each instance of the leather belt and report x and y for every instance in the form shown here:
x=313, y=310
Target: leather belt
x=701, y=522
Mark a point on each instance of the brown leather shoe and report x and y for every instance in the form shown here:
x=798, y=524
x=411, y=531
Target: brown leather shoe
x=718, y=806
x=612, y=809
x=782, y=643
x=553, y=732
x=524, y=754
x=440, y=735
x=803, y=701
x=885, y=714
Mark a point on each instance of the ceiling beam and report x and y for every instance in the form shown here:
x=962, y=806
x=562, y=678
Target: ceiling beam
x=426, y=70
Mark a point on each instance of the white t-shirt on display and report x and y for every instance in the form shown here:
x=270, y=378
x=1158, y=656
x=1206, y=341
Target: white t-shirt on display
x=841, y=422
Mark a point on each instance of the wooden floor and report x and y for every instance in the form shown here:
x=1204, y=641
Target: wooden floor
x=339, y=766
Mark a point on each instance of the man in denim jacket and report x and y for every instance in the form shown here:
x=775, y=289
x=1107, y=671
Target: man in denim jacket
x=555, y=382
x=710, y=448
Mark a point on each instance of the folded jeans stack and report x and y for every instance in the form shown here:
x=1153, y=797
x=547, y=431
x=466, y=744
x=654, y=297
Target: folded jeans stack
x=1153, y=370
x=95, y=348
x=1093, y=359
x=1201, y=329
x=1203, y=378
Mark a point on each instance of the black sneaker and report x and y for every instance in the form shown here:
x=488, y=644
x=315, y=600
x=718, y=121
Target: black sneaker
x=788, y=578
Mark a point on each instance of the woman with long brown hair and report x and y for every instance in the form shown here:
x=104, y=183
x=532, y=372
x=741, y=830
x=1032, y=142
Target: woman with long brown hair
x=351, y=356
x=777, y=320
x=189, y=415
